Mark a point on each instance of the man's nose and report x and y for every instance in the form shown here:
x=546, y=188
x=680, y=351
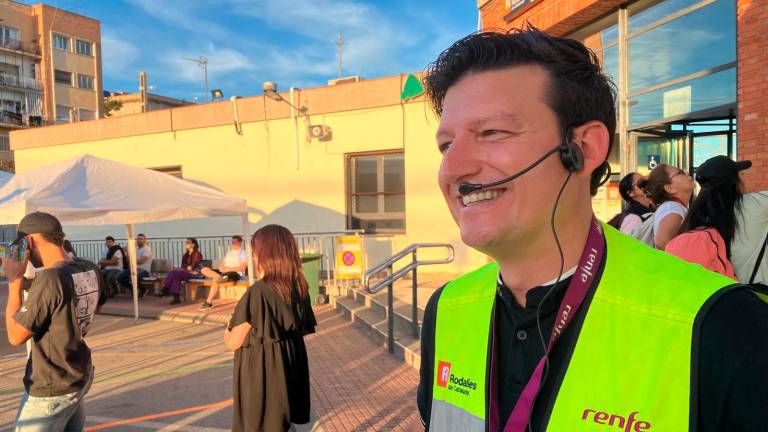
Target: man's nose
x=461, y=161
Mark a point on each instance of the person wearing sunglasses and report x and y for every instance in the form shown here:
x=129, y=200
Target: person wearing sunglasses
x=670, y=188
x=638, y=205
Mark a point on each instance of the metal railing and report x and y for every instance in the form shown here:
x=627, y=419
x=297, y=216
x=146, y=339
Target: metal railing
x=21, y=119
x=12, y=80
x=214, y=248
x=17, y=45
x=389, y=282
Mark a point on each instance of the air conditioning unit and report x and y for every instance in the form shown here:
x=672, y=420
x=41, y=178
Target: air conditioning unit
x=345, y=80
x=320, y=132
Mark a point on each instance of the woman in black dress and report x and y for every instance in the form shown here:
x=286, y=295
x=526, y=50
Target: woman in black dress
x=266, y=331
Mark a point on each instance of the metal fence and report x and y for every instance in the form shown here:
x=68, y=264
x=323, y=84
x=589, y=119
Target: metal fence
x=7, y=233
x=214, y=247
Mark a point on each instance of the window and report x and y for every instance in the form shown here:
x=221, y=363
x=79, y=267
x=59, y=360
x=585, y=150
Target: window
x=63, y=77
x=376, y=192
x=84, y=47
x=10, y=37
x=5, y=143
x=170, y=170
x=61, y=42
x=86, y=114
x=85, y=82
x=63, y=114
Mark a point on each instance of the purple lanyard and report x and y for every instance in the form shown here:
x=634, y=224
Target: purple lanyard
x=581, y=282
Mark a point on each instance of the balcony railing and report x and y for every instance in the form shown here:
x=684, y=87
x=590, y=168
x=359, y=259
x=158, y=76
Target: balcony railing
x=17, y=45
x=15, y=119
x=10, y=80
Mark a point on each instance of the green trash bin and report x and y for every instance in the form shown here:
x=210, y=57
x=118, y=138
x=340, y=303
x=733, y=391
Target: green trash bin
x=310, y=265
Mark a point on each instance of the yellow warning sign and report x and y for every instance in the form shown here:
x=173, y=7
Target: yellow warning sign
x=349, y=253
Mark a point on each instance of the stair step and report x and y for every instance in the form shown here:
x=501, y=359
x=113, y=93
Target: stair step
x=378, y=303
x=374, y=323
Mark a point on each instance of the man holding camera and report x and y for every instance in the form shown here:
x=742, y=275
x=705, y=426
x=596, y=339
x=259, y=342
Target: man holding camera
x=57, y=314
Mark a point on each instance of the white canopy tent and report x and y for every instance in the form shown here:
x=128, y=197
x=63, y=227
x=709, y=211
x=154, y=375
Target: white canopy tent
x=5, y=177
x=92, y=191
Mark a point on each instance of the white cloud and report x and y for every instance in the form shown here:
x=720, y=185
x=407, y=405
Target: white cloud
x=221, y=62
x=119, y=55
x=185, y=14
x=372, y=42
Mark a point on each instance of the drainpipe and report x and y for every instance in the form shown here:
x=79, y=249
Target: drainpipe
x=235, y=115
x=295, y=121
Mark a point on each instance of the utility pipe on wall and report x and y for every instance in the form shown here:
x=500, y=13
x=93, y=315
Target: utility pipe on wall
x=295, y=121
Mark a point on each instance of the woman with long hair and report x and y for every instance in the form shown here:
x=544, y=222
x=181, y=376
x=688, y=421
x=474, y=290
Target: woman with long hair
x=638, y=205
x=735, y=222
x=670, y=189
x=266, y=331
x=191, y=262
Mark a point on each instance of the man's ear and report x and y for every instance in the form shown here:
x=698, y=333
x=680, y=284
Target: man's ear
x=594, y=140
x=32, y=241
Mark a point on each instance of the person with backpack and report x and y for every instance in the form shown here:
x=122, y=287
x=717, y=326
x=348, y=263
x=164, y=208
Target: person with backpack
x=670, y=188
x=638, y=205
x=726, y=229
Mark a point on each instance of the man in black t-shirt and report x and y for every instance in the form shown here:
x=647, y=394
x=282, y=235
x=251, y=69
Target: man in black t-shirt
x=57, y=314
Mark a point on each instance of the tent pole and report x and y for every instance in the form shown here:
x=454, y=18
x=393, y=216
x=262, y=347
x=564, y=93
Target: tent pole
x=131, y=230
x=248, y=249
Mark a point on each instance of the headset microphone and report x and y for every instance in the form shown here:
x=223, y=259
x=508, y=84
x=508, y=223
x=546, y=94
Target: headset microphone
x=468, y=188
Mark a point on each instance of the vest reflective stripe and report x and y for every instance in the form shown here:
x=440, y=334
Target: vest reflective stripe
x=459, y=389
x=617, y=375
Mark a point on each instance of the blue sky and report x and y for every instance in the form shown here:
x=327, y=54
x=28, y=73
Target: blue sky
x=291, y=42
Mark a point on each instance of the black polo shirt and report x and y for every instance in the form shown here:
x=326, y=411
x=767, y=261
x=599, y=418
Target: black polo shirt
x=732, y=357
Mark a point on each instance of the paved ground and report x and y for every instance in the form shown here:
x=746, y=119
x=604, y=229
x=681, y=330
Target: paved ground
x=173, y=376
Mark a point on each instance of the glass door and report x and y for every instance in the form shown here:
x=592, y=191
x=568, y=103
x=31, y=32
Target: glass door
x=652, y=148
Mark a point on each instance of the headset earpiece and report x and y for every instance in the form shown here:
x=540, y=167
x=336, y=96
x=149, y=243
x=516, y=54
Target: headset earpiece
x=571, y=156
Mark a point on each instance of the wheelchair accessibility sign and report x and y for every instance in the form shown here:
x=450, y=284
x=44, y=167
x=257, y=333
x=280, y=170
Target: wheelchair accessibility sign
x=653, y=161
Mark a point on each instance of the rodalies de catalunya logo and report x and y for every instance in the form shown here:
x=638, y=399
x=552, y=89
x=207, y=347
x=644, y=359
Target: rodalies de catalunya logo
x=452, y=382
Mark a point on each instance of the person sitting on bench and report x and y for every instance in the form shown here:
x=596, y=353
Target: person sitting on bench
x=231, y=269
x=144, y=265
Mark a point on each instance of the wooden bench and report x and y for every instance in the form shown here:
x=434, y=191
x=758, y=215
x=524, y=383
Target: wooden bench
x=227, y=290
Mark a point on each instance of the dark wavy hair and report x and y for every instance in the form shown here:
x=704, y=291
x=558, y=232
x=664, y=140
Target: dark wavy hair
x=195, y=244
x=578, y=90
x=625, y=187
x=277, y=254
x=716, y=207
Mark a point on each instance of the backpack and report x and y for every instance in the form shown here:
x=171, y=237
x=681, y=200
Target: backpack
x=703, y=246
x=617, y=220
x=644, y=232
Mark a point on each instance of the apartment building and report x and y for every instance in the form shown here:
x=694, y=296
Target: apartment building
x=50, y=70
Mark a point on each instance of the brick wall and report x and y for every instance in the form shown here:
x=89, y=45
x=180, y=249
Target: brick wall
x=557, y=17
x=753, y=90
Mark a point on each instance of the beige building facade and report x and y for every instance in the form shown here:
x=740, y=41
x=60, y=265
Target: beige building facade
x=50, y=70
x=361, y=158
x=130, y=103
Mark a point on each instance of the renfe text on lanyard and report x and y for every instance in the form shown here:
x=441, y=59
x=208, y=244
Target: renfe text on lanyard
x=590, y=261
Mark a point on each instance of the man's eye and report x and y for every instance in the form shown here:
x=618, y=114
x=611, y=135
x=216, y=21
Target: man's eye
x=491, y=132
x=444, y=147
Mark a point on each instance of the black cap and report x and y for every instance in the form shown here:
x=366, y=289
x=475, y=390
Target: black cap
x=38, y=223
x=719, y=169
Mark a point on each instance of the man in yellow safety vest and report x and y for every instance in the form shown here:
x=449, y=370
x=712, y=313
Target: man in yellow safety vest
x=574, y=326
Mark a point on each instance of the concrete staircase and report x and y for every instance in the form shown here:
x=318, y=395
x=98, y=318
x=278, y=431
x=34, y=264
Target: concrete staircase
x=369, y=312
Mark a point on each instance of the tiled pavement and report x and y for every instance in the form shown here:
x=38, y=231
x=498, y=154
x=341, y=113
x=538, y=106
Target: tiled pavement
x=356, y=384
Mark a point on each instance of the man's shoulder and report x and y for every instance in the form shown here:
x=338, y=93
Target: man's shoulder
x=738, y=318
